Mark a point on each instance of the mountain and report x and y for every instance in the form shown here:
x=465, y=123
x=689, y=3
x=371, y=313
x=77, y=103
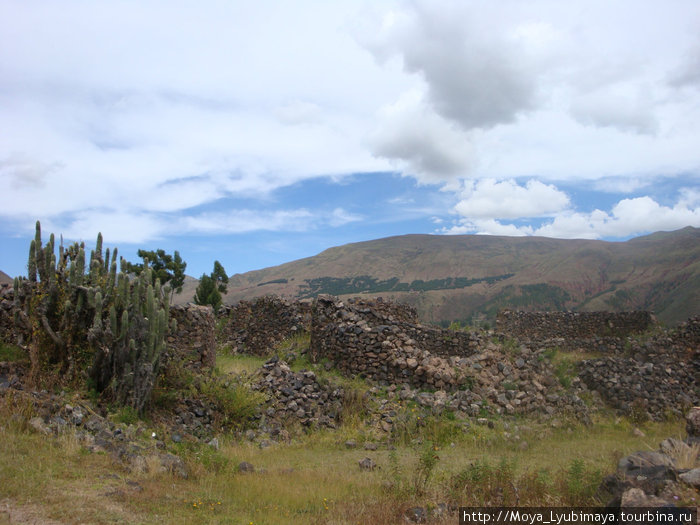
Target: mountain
x=470, y=277
x=189, y=287
x=4, y=278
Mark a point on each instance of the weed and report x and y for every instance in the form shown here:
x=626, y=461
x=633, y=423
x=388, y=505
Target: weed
x=10, y=352
x=354, y=407
x=638, y=413
x=16, y=410
x=579, y=484
x=236, y=404
x=127, y=415
x=685, y=457
x=427, y=461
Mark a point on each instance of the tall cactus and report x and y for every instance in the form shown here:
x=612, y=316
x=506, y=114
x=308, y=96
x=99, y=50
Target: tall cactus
x=95, y=321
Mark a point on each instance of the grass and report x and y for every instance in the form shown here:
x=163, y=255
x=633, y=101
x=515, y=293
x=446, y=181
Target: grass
x=10, y=352
x=315, y=479
x=564, y=363
x=238, y=363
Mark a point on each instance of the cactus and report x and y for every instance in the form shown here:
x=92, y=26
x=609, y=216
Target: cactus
x=96, y=322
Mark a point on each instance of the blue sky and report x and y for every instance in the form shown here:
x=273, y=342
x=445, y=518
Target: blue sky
x=259, y=133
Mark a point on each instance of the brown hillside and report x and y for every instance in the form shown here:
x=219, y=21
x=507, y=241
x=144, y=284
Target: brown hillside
x=469, y=275
x=4, y=278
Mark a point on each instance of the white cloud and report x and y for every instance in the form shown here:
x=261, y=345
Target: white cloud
x=340, y=217
x=422, y=143
x=624, y=110
x=489, y=198
x=626, y=218
x=154, y=109
x=476, y=76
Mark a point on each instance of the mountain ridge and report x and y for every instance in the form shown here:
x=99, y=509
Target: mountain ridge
x=660, y=272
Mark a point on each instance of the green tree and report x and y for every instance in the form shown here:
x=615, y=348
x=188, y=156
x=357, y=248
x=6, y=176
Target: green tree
x=165, y=267
x=220, y=278
x=211, y=287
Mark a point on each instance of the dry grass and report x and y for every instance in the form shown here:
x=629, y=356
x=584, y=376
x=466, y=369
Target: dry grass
x=686, y=456
x=238, y=364
x=315, y=479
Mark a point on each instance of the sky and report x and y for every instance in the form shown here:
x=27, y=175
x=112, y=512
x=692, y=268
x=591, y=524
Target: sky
x=256, y=133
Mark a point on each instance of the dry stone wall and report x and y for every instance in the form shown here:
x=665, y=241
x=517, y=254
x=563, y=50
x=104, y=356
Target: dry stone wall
x=593, y=330
x=193, y=339
x=258, y=326
x=8, y=332
x=652, y=377
x=378, y=340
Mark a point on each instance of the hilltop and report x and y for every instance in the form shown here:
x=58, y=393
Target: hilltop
x=469, y=277
x=4, y=278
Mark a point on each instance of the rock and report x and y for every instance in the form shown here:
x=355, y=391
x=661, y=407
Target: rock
x=245, y=467
x=416, y=515
x=692, y=426
x=637, y=461
x=39, y=426
x=177, y=438
x=367, y=464
x=638, y=433
x=370, y=446
x=692, y=477
x=265, y=443
x=635, y=498
x=673, y=446
x=173, y=464
x=350, y=443
x=214, y=443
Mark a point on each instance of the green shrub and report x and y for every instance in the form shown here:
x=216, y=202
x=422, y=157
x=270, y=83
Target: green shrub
x=236, y=404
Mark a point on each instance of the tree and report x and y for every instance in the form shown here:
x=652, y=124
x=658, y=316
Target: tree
x=211, y=287
x=220, y=278
x=165, y=267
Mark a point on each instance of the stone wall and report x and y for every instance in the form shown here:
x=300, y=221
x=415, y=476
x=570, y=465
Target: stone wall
x=258, y=326
x=7, y=325
x=656, y=387
x=376, y=340
x=194, y=338
x=653, y=376
x=573, y=329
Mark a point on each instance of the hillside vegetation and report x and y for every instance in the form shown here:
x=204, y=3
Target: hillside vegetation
x=449, y=278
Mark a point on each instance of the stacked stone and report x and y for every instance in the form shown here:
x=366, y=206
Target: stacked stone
x=9, y=332
x=297, y=396
x=515, y=383
x=376, y=344
x=654, y=384
x=592, y=330
x=194, y=338
x=258, y=326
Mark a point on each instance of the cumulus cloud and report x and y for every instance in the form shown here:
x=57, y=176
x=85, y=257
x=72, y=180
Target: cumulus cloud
x=160, y=110
x=421, y=142
x=688, y=72
x=475, y=75
x=507, y=199
x=623, y=109
x=626, y=218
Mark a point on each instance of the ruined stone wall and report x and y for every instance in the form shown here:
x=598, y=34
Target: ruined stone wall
x=258, y=326
x=7, y=325
x=375, y=340
x=194, y=338
x=655, y=386
x=573, y=329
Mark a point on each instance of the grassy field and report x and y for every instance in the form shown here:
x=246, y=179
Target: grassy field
x=435, y=461
x=316, y=479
